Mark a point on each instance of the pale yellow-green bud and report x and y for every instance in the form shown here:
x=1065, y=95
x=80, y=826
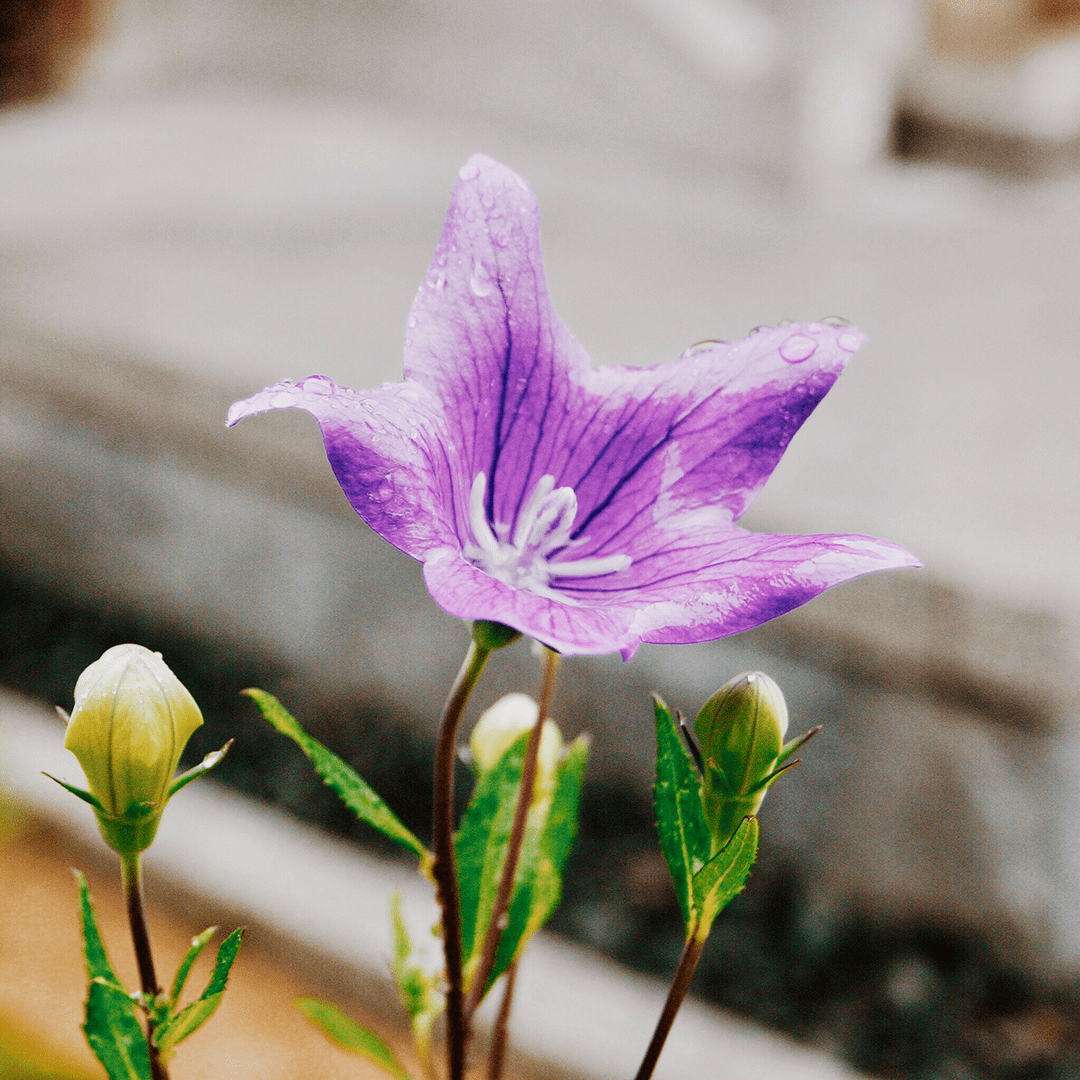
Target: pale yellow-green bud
x=741, y=731
x=507, y=720
x=131, y=722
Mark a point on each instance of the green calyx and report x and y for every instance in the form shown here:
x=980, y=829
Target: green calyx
x=493, y=635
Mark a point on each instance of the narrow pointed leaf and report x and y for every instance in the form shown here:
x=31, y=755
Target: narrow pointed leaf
x=797, y=744
x=198, y=1012
x=725, y=875
x=112, y=1025
x=78, y=792
x=538, y=886
x=204, y=766
x=481, y=845
x=353, y=791
x=182, y=972
x=680, y=818
x=350, y=1035
x=418, y=989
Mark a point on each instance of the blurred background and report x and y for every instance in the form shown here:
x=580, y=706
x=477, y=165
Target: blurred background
x=198, y=199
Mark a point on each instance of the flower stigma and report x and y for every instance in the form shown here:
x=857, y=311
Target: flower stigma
x=543, y=529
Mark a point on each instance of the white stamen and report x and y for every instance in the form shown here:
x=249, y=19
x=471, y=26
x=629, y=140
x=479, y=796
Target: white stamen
x=604, y=564
x=481, y=530
x=544, y=526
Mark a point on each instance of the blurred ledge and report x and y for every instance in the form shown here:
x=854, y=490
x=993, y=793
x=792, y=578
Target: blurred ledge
x=324, y=907
x=78, y=419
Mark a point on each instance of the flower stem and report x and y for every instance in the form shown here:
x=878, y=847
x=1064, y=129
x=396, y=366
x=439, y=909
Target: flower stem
x=131, y=876
x=444, y=869
x=500, y=1033
x=517, y=838
x=676, y=995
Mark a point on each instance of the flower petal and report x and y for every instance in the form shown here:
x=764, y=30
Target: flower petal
x=388, y=451
x=700, y=594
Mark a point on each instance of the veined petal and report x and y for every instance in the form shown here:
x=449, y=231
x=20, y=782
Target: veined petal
x=387, y=450
x=504, y=455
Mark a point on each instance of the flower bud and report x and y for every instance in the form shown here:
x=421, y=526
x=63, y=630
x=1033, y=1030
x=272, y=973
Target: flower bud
x=131, y=722
x=741, y=731
x=507, y=720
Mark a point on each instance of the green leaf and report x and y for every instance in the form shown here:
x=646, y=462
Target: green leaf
x=722, y=878
x=419, y=991
x=680, y=818
x=112, y=1026
x=481, y=845
x=538, y=884
x=182, y=972
x=204, y=766
x=347, y=785
x=198, y=1012
x=350, y=1035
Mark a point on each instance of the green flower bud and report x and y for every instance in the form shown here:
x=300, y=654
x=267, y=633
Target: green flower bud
x=741, y=730
x=131, y=722
x=507, y=720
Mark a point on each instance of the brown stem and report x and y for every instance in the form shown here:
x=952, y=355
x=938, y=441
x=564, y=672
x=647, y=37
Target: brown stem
x=444, y=868
x=501, y=1031
x=131, y=875
x=676, y=995
x=517, y=838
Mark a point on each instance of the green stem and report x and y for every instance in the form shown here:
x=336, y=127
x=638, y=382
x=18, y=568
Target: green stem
x=517, y=838
x=131, y=876
x=501, y=1031
x=676, y=995
x=444, y=868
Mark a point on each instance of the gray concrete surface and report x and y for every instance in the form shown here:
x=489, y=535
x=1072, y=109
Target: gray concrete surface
x=172, y=241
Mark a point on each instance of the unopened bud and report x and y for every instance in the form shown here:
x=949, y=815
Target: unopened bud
x=506, y=721
x=131, y=722
x=741, y=731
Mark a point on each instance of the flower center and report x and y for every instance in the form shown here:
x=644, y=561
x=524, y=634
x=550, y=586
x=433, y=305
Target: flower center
x=542, y=531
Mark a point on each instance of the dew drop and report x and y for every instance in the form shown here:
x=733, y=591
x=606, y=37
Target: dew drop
x=702, y=346
x=469, y=171
x=319, y=384
x=479, y=281
x=758, y=329
x=501, y=239
x=411, y=323
x=487, y=201
x=798, y=348
x=815, y=327
x=282, y=400
x=521, y=183
x=836, y=320
x=849, y=342
x=786, y=322
x=386, y=491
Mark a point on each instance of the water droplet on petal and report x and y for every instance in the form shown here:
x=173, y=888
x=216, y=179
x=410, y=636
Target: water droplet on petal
x=319, y=384
x=758, y=329
x=282, y=400
x=701, y=346
x=836, y=320
x=521, y=183
x=786, y=322
x=501, y=239
x=849, y=342
x=798, y=348
x=411, y=323
x=815, y=327
x=386, y=491
x=487, y=201
x=479, y=281
x=469, y=171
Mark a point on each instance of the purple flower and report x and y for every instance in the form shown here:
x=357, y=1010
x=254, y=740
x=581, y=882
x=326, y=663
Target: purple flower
x=591, y=508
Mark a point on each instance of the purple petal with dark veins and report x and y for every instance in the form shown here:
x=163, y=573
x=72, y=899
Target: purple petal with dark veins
x=662, y=460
